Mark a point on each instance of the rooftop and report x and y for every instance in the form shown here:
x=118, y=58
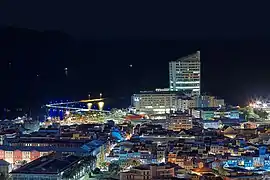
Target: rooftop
x=162, y=92
x=30, y=139
x=50, y=164
x=43, y=149
x=147, y=166
x=191, y=57
x=216, y=109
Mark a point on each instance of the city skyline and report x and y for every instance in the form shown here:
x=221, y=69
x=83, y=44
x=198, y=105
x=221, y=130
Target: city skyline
x=130, y=91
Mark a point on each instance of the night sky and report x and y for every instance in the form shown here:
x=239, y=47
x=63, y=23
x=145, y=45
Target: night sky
x=97, y=42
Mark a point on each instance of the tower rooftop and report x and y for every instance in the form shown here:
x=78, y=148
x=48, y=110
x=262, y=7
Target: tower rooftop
x=191, y=57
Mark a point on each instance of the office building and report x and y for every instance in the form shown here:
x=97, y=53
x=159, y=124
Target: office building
x=155, y=102
x=185, y=74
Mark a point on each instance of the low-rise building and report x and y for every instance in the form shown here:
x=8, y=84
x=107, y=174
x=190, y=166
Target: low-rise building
x=185, y=103
x=211, y=113
x=211, y=124
x=149, y=172
x=208, y=101
x=17, y=154
x=177, y=122
x=53, y=167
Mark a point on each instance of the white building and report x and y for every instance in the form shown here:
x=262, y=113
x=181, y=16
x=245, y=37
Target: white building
x=155, y=102
x=212, y=124
x=185, y=103
x=185, y=74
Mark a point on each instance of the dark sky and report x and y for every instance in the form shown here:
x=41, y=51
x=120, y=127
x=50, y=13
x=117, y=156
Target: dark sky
x=98, y=41
x=157, y=19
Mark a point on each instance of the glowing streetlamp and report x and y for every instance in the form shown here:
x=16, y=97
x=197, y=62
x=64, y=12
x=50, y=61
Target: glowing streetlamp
x=100, y=95
x=100, y=106
x=89, y=105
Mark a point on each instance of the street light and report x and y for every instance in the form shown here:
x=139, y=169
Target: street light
x=89, y=105
x=100, y=105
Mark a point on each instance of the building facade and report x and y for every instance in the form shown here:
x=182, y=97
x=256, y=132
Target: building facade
x=187, y=103
x=179, y=122
x=185, y=74
x=148, y=172
x=155, y=102
x=211, y=113
x=54, y=167
x=209, y=101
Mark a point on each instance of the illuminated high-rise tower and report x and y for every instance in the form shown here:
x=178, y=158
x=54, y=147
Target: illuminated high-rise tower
x=185, y=74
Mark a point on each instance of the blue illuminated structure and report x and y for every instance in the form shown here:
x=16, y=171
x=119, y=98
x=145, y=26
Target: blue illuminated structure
x=262, y=150
x=117, y=134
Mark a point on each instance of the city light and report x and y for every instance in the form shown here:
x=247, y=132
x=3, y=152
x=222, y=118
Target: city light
x=214, y=138
x=89, y=105
x=67, y=113
x=100, y=105
x=259, y=104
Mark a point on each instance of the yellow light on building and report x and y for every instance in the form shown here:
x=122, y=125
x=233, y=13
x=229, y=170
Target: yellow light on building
x=76, y=136
x=100, y=106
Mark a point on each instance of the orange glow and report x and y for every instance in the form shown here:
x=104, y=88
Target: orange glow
x=92, y=100
x=128, y=137
x=134, y=117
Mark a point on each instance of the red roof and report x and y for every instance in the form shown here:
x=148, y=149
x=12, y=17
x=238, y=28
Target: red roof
x=134, y=117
